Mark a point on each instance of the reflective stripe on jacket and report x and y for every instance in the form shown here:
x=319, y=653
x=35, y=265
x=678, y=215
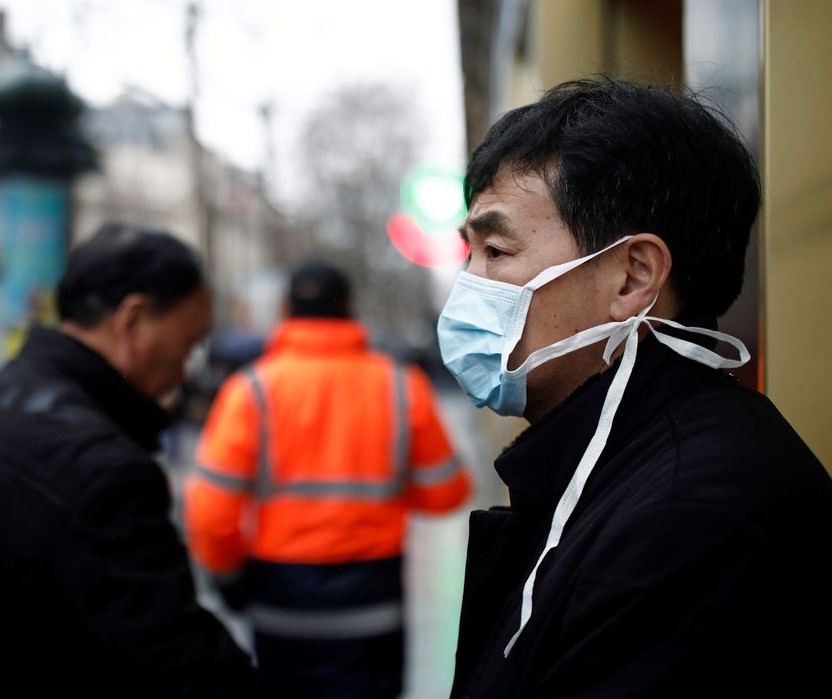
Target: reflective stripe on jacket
x=317, y=453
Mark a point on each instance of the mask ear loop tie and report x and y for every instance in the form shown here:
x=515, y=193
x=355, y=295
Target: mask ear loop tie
x=570, y=496
x=627, y=333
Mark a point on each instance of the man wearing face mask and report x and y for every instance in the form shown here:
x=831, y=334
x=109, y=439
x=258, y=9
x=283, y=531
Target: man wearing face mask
x=668, y=533
x=97, y=598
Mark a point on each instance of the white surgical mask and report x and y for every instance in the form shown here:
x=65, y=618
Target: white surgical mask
x=481, y=324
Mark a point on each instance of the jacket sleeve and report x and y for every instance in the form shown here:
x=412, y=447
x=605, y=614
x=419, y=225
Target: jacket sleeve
x=219, y=492
x=128, y=587
x=439, y=481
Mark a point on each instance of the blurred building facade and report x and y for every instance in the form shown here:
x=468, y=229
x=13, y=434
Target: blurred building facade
x=145, y=166
x=767, y=62
x=149, y=174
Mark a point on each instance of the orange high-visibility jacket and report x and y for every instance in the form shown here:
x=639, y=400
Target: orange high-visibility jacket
x=317, y=453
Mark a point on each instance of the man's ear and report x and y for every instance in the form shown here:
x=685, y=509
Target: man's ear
x=645, y=268
x=128, y=314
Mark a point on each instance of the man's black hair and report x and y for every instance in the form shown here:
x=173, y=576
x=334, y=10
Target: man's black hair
x=317, y=289
x=121, y=259
x=621, y=157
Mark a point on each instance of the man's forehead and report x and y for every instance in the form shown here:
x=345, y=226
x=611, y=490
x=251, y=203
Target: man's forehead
x=512, y=197
x=510, y=185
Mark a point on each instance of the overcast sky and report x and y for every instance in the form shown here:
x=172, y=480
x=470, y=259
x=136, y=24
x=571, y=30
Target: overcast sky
x=284, y=53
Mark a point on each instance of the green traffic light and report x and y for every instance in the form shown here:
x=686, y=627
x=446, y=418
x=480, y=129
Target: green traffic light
x=434, y=198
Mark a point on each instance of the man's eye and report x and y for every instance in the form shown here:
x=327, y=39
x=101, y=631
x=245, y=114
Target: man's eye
x=492, y=253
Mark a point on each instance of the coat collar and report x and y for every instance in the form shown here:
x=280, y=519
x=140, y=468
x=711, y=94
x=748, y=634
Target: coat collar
x=54, y=352
x=538, y=465
x=319, y=336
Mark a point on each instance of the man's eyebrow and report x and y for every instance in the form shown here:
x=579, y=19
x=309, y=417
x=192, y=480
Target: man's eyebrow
x=494, y=221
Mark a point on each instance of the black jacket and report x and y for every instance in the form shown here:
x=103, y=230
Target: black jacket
x=696, y=563
x=96, y=593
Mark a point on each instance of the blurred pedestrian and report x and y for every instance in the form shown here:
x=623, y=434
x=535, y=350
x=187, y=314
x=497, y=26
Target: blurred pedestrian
x=309, y=463
x=669, y=532
x=97, y=594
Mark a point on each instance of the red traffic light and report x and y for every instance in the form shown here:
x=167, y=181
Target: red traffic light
x=427, y=250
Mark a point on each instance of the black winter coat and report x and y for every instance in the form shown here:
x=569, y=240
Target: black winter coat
x=96, y=593
x=696, y=563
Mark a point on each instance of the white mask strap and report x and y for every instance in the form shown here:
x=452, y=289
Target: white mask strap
x=551, y=273
x=570, y=496
x=698, y=353
x=617, y=331
x=625, y=331
x=518, y=323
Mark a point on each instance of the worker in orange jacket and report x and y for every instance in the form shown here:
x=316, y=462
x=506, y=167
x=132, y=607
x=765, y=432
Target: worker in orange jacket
x=308, y=464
